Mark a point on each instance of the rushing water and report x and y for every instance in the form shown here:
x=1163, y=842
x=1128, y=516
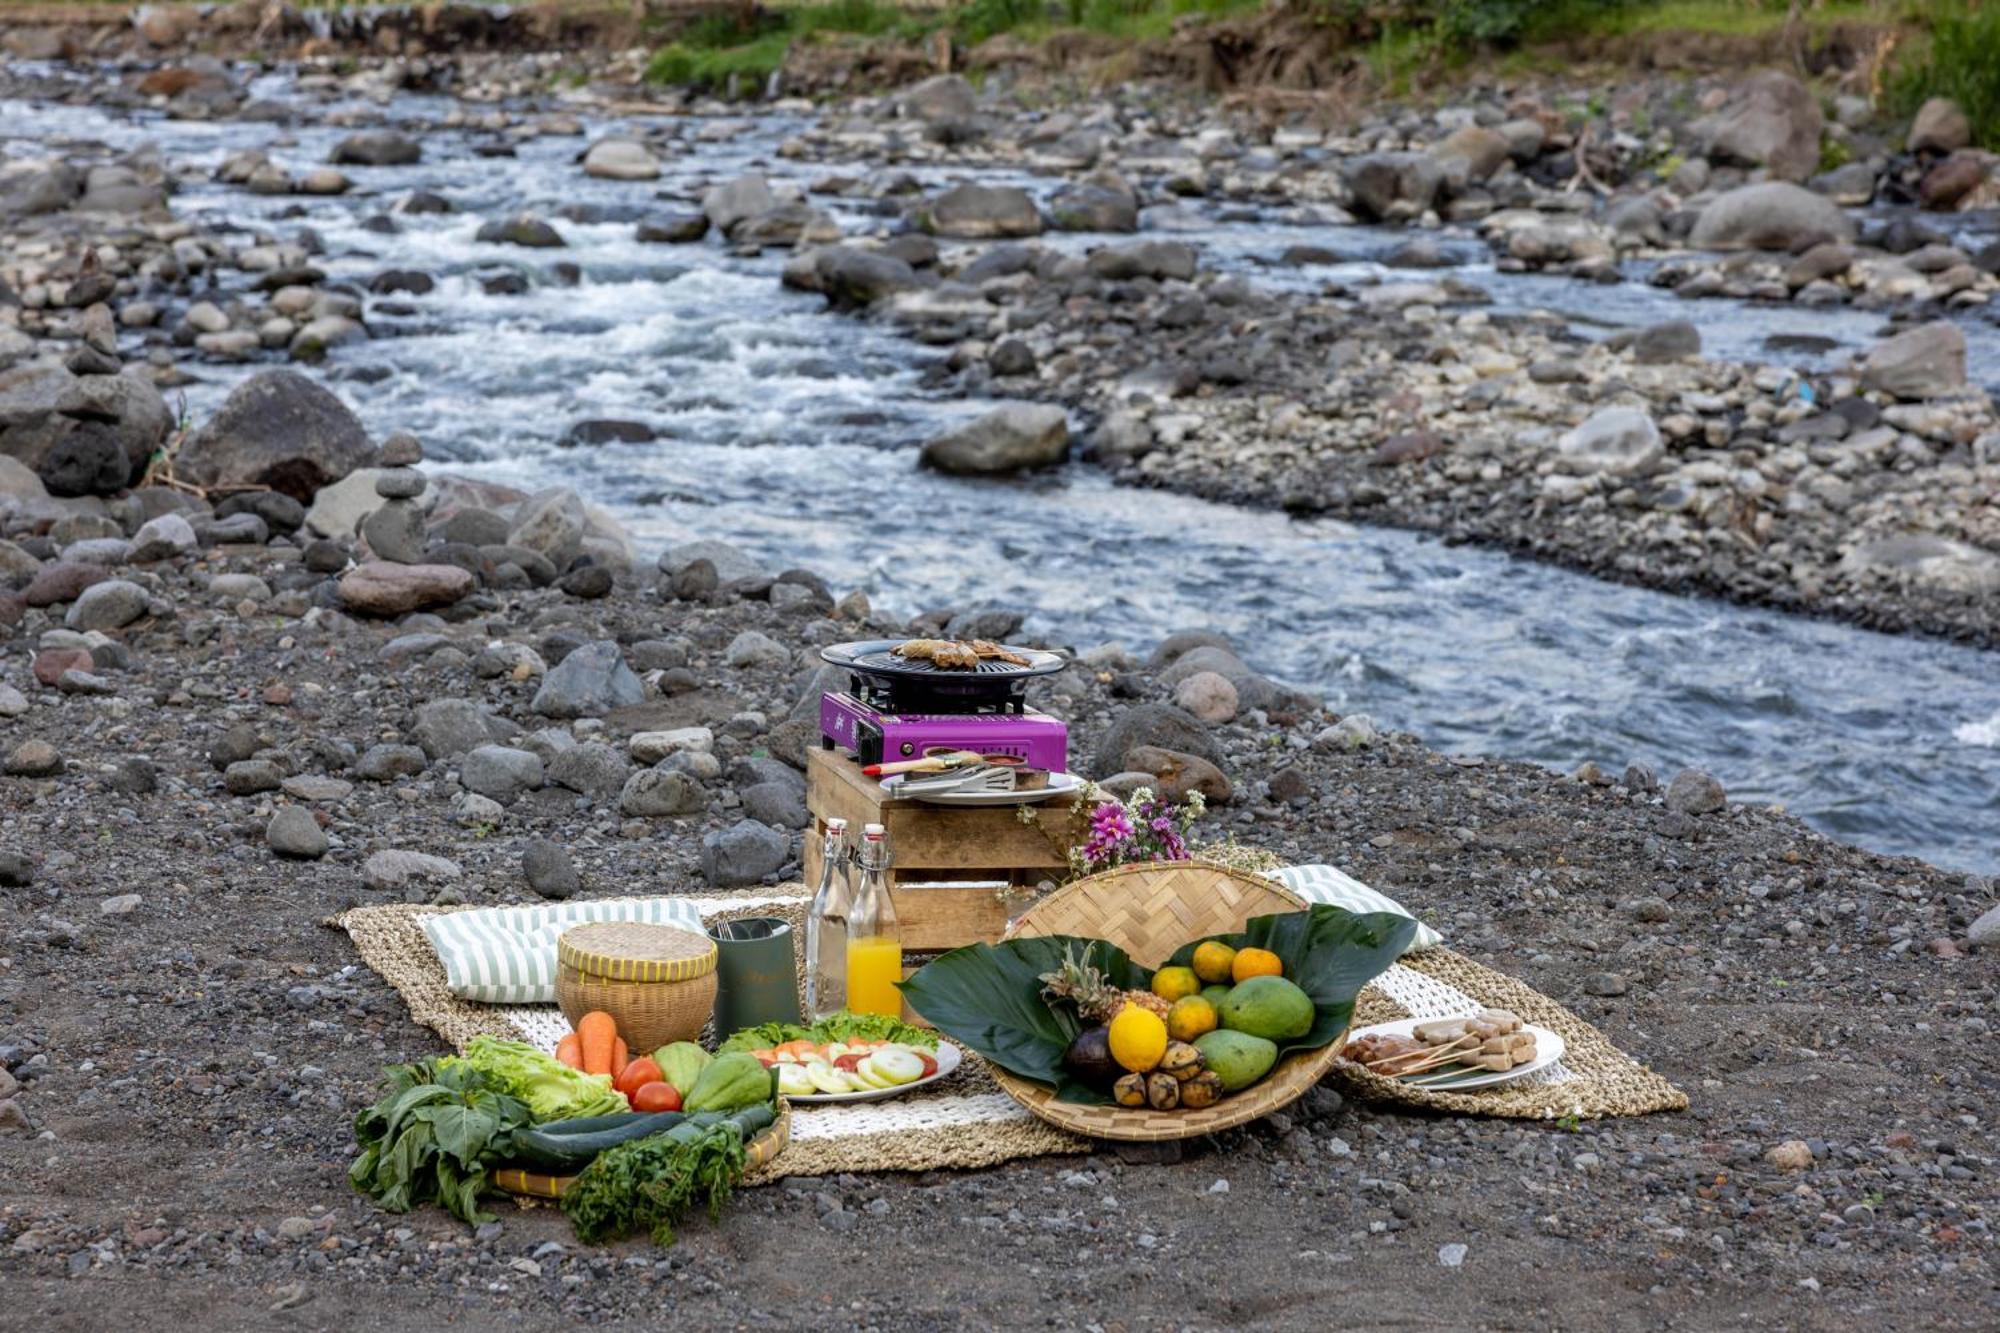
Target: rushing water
x=791, y=432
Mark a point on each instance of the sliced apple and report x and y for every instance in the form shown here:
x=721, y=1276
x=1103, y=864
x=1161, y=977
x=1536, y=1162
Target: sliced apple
x=828, y=1079
x=869, y=1074
x=793, y=1081
x=898, y=1064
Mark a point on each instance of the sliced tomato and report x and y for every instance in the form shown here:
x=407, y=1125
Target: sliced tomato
x=850, y=1060
x=930, y=1064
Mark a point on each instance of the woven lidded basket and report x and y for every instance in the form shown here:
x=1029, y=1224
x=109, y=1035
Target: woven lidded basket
x=1150, y=910
x=657, y=981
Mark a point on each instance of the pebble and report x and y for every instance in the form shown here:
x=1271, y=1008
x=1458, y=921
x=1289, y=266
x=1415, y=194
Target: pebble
x=1452, y=1255
x=549, y=870
x=34, y=759
x=1606, y=984
x=123, y=904
x=1693, y=792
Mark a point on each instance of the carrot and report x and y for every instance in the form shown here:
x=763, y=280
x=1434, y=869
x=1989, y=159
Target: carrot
x=620, y=1057
x=570, y=1051
x=597, y=1032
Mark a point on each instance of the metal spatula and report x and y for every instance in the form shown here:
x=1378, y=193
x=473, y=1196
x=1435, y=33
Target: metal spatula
x=966, y=781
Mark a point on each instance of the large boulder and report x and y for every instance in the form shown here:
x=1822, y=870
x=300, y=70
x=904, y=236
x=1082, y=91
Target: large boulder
x=1772, y=121
x=1156, y=726
x=980, y=212
x=1940, y=126
x=729, y=205
x=1008, y=439
x=944, y=99
x=745, y=853
x=1923, y=362
x=42, y=406
x=1392, y=187
x=31, y=188
x=590, y=682
x=1094, y=206
x=1615, y=440
x=621, y=160
x=550, y=523
x=118, y=189
x=279, y=431
x=1773, y=215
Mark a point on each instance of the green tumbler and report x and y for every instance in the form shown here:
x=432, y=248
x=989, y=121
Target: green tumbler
x=757, y=977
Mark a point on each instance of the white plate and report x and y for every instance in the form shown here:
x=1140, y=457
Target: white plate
x=1549, y=1048
x=1060, y=784
x=947, y=1056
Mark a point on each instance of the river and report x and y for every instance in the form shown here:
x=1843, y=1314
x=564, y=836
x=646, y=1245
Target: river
x=792, y=432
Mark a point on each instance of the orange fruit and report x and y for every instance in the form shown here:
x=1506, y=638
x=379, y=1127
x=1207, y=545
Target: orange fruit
x=1172, y=983
x=1192, y=1016
x=1250, y=963
x=1212, y=960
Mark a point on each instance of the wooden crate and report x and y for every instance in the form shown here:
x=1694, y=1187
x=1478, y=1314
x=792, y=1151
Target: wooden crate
x=947, y=866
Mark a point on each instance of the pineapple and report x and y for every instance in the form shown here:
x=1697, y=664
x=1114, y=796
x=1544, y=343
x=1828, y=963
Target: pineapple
x=1096, y=1000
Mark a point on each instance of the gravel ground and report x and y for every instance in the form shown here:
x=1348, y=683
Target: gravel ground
x=190, y=1060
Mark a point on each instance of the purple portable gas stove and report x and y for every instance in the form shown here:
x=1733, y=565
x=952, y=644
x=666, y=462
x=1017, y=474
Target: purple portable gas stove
x=895, y=708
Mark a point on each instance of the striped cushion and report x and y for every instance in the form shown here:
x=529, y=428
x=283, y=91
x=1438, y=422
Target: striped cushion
x=507, y=955
x=1324, y=884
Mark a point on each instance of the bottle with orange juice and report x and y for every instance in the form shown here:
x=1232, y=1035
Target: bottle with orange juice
x=874, y=940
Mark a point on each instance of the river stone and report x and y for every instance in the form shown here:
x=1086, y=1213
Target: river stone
x=1771, y=120
x=731, y=203
x=621, y=160
x=730, y=563
x=1162, y=726
x=673, y=228
x=1008, y=439
x=1615, y=440
x=379, y=588
x=523, y=229
x=34, y=758
x=778, y=804
x=395, y=532
x=278, y=431
x=745, y=853
x=1773, y=215
x=380, y=149
x=650, y=747
x=163, y=538
x=1940, y=126
x=590, y=682
x=549, y=871
x=112, y=604
x=248, y=777
x=386, y=763
x=1693, y=792
x=1208, y=696
x=294, y=832
x=550, y=523
x=1929, y=560
x=1986, y=930
x=399, y=483
x=971, y=211
x=939, y=100
x=592, y=769
x=1675, y=340
x=1160, y=260
x=500, y=772
x=1088, y=207
x=1176, y=774
x=654, y=793
x=396, y=871
x=1923, y=362
x=757, y=652
x=1472, y=152
x=89, y=460
x=447, y=728
x=851, y=276
x=118, y=189
x=1392, y=187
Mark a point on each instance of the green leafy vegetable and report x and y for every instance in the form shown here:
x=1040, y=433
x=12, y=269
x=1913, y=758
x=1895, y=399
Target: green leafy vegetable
x=732, y=1082
x=841, y=1026
x=652, y=1183
x=681, y=1064
x=435, y=1138
x=989, y=996
x=552, y=1090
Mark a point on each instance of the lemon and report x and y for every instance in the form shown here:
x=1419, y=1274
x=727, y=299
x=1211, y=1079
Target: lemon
x=1192, y=1016
x=1172, y=983
x=1250, y=963
x=1212, y=961
x=1138, y=1038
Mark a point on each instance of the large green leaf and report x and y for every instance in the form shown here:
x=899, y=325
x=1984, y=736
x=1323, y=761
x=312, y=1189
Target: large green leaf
x=989, y=997
x=1329, y=952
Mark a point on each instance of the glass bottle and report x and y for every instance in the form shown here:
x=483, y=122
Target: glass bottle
x=874, y=941
x=826, y=926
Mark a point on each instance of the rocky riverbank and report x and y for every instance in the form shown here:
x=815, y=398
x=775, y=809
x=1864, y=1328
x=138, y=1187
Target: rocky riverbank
x=220, y=746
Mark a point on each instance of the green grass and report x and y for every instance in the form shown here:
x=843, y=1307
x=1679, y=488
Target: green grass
x=1959, y=58
x=1747, y=18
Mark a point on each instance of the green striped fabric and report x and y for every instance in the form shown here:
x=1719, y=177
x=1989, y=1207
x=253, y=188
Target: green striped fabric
x=507, y=955
x=1324, y=884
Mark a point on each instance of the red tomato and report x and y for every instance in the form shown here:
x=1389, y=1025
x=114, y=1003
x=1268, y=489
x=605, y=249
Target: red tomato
x=637, y=1075
x=850, y=1060
x=656, y=1096
x=930, y=1065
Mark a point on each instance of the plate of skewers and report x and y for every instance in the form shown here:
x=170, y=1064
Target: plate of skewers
x=1479, y=1050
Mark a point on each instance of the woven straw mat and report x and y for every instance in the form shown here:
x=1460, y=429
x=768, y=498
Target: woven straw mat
x=965, y=1121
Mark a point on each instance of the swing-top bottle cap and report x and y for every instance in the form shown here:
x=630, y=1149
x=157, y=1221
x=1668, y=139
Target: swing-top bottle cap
x=836, y=826
x=874, y=833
